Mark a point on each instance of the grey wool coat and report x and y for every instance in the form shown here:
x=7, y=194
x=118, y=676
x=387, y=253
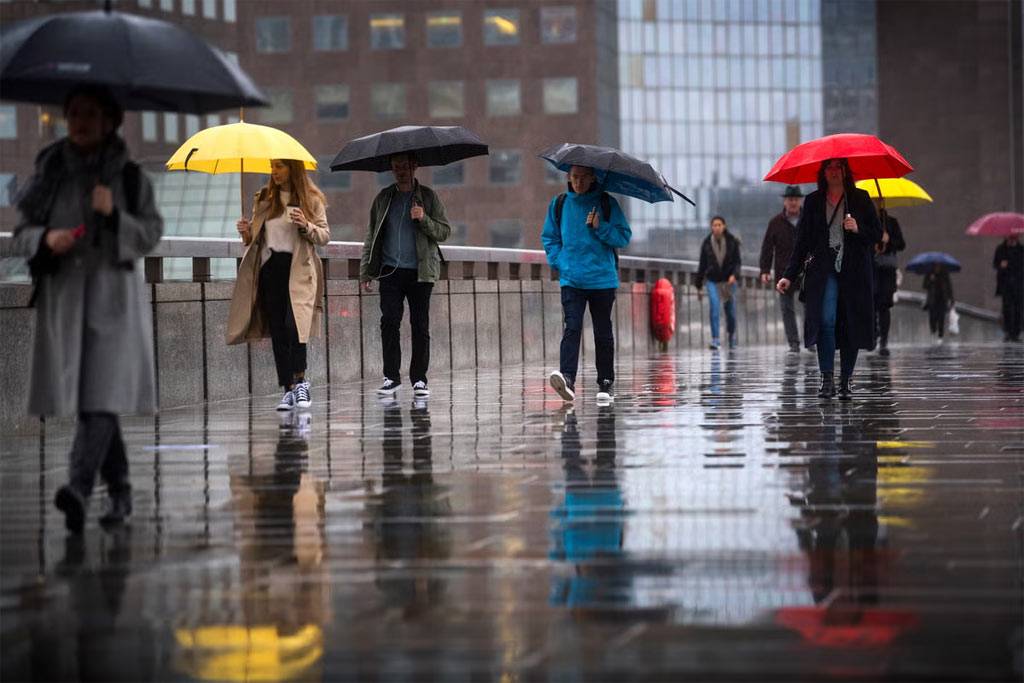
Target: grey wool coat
x=93, y=349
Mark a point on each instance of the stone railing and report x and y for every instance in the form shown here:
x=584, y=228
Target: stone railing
x=492, y=307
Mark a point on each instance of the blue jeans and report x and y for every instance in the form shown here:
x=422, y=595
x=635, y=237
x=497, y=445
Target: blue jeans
x=730, y=309
x=827, y=334
x=574, y=303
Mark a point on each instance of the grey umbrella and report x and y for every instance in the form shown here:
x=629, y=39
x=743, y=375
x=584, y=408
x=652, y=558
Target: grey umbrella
x=616, y=171
x=432, y=145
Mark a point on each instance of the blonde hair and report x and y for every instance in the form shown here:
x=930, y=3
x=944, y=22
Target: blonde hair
x=304, y=190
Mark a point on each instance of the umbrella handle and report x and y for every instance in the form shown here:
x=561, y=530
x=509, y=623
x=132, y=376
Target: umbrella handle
x=191, y=152
x=681, y=195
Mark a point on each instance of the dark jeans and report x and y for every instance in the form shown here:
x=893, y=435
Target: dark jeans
x=827, y=334
x=937, y=318
x=276, y=304
x=98, y=446
x=1013, y=311
x=884, y=315
x=394, y=290
x=574, y=303
x=787, y=303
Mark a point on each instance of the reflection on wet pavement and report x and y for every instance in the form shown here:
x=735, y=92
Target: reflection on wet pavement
x=716, y=521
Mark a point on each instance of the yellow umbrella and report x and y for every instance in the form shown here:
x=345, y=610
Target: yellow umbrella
x=896, y=191
x=238, y=148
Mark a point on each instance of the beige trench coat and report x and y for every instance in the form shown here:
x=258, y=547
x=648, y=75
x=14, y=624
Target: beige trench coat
x=305, y=282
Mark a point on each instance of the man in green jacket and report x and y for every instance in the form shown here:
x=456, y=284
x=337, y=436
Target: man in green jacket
x=407, y=223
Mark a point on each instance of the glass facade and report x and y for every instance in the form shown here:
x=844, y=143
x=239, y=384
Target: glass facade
x=444, y=29
x=711, y=92
x=387, y=31
x=330, y=32
x=273, y=34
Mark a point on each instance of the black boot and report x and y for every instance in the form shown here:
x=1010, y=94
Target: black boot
x=119, y=508
x=845, y=389
x=73, y=505
x=828, y=386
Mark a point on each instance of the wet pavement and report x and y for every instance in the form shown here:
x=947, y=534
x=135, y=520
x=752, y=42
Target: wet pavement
x=717, y=522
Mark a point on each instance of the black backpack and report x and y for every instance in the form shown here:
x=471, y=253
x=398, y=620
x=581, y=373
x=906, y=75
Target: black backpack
x=606, y=215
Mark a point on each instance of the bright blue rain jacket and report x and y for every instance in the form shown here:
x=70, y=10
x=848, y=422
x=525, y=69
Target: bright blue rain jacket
x=585, y=258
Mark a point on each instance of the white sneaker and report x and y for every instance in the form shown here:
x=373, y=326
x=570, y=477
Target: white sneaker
x=287, y=401
x=604, y=393
x=563, y=386
x=420, y=389
x=388, y=388
x=301, y=393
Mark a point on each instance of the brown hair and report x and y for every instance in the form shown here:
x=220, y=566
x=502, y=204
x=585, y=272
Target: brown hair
x=848, y=184
x=304, y=190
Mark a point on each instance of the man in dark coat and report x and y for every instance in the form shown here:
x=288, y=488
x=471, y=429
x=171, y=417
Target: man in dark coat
x=776, y=249
x=885, y=276
x=1009, y=265
x=838, y=230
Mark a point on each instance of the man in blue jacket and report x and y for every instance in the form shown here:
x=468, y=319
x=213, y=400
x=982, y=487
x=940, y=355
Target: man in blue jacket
x=583, y=229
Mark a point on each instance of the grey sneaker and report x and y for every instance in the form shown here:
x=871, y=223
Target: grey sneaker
x=563, y=386
x=287, y=401
x=389, y=387
x=301, y=393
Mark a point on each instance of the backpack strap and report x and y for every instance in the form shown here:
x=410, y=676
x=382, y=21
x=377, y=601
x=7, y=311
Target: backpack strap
x=559, y=205
x=606, y=206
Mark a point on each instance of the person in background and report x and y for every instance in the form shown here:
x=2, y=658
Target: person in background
x=776, y=248
x=1009, y=264
x=938, y=300
x=720, y=265
x=886, y=264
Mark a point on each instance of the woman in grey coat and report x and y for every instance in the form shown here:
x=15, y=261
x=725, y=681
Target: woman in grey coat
x=88, y=216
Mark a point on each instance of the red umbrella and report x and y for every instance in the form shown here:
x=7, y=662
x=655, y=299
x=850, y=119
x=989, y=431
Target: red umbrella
x=998, y=224
x=868, y=157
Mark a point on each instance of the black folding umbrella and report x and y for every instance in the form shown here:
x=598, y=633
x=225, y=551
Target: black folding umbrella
x=432, y=145
x=616, y=171
x=148, y=64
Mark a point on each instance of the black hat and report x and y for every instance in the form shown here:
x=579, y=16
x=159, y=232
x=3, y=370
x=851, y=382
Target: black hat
x=793, y=191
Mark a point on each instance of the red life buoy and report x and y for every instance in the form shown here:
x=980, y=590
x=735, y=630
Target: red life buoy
x=663, y=310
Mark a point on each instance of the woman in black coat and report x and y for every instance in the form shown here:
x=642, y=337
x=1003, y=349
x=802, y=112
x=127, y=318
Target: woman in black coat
x=835, y=244
x=885, y=276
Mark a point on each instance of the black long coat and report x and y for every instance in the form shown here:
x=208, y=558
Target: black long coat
x=855, y=317
x=885, y=278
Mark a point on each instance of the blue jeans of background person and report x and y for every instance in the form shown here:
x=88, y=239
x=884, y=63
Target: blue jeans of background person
x=715, y=301
x=574, y=303
x=827, y=334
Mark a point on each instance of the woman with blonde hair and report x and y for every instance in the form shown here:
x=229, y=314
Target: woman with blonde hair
x=279, y=290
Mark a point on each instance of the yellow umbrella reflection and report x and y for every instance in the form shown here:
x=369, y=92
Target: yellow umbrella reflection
x=248, y=653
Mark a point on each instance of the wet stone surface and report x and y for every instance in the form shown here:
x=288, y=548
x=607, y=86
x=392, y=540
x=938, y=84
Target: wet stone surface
x=717, y=522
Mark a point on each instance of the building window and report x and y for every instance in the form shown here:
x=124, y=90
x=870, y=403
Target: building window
x=8, y=121
x=230, y=11
x=212, y=120
x=552, y=175
x=273, y=34
x=446, y=99
x=459, y=233
x=388, y=100
x=560, y=96
x=444, y=29
x=171, y=127
x=210, y=9
x=503, y=98
x=8, y=188
x=280, y=109
x=505, y=167
x=167, y=5
x=330, y=32
x=501, y=27
x=452, y=174
x=387, y=31
x=149, y=126
x=506, y=234
x=146, y=3
x=331, y=102
x=192, y=124
x=385, y=178
x=188, y=7
x=332, y=180
x=558, y=24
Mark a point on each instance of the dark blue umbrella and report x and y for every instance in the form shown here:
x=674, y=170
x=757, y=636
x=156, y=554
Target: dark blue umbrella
x=148, y=64
x=924, y=263
x=432, y=145
x=616, y=171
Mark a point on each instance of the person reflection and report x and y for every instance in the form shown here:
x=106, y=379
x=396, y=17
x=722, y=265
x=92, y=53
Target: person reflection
x=589, y=524
x=407, y=516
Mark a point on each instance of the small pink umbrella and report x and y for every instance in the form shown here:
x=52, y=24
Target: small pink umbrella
x=998, y=224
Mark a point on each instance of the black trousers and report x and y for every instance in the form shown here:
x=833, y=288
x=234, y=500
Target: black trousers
x=937, y=318
x=98, y=446
x=1013, y=311
x=276, y=305
x=394, y=290
x=574, y=303
x=884, y=323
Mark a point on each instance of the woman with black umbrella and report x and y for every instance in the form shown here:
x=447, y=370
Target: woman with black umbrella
x=88, y=217
x=835, y=239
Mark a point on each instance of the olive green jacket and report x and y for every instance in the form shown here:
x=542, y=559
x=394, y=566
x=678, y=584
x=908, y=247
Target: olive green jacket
x=430, y=232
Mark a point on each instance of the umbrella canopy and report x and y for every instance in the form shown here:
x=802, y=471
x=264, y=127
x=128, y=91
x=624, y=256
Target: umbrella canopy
x=148, y=64
x=998, y=225
x=432, y=145
x=896, y=191
x=868, y=157
x=238, y=148
x=923, y=263
x=616, y=171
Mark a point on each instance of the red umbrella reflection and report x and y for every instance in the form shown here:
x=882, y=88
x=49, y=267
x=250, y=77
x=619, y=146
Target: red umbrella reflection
x=847, y=626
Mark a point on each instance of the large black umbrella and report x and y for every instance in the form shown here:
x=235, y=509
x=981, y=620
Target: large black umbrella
x=432, y=145
x=148, y=64
x=616, y=171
